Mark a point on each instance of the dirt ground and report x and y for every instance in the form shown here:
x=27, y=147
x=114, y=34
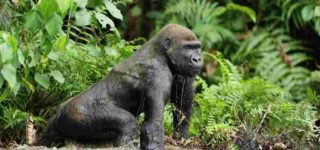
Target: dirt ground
x=170, y=144
x=73, y=147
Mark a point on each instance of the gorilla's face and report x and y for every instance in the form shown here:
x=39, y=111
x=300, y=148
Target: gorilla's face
x=186, y=57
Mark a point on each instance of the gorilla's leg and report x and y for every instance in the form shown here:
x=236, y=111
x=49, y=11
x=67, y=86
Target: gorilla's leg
x=112, y=119
x=97, y=122
x=51, y=136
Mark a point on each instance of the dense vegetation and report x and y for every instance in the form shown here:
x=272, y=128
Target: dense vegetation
x=258, y=89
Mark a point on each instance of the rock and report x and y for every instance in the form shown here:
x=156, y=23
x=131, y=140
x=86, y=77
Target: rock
x=279, y=146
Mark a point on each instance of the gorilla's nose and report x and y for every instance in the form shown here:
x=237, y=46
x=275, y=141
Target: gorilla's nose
x=196, y=60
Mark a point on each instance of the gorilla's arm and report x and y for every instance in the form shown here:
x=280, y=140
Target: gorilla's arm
x=182, y=93
x=152, y=127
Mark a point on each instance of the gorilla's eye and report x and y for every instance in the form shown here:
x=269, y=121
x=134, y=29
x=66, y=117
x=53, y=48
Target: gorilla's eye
x=192, y=46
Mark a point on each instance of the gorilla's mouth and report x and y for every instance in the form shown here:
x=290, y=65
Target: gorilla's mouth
x=196, y=71
x=193, y=72
x=189, y=70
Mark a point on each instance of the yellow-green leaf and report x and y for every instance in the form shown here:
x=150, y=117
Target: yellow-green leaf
x=104, y=20
x=9, y=74
x=53, y=26
x=307, y=13
x=33, y=21
x=64, y=5
x=83, y=17
x=47, y=7
x=5, y=52
x=114, y=11
x=42, y=79
x=57, y=76
x=62, y=42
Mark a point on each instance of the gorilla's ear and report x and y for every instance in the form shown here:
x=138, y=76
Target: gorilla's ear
x=166, y=43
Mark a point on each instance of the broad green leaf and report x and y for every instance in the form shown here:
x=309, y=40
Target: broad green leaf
x=5, y=52
x=1, y=81
x=34, y=60
x=114, y=11
x=20, y=57
x=317, y=25
x=115, y=31
x=317, y=11
x=104, y=20
x=64, y=5
x=53, y=26
x=53, y=55
x=94, y=3
x=3, y=34
x=94, y=51
x=315, y=76
x=16, y=88
x=47, y=7
x=27, y=84
x=111, y=51
x=33, y=21
x=83, y=17
x=219, y=11
x=307, y=13
x=82, y=3
x=47, y=45
x=247, y=10
x=62, y=42
x=42, y=79
x=13, y=42
x=57, y=76
x=15, y=61
x=9, y=74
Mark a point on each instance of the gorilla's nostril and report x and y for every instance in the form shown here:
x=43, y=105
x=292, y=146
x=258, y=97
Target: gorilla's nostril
x=194, y=60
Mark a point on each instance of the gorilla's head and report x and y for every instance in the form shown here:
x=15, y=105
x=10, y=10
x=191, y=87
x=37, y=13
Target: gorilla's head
x=183, y=49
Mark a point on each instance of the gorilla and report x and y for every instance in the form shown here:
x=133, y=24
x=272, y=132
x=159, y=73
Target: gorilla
x=163, y=68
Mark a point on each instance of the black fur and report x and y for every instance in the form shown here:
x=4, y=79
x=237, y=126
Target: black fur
x=142, y=83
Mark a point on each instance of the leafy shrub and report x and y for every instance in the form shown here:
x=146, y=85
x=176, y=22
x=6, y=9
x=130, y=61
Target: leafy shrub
x=51, y=50
x=249, y=111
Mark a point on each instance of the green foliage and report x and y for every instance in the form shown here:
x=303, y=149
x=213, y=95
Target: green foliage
x=251, y=109
x=245, y=9
x=168, y=121
x=90, y=64
x=302, y=14
x=12, y=121
x=43, y=62
x=277, y=57
x=51, y=50
x=202, y=16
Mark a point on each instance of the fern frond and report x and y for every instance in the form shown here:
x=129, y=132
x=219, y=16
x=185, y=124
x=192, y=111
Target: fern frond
x=277, y=57
x=202, y=17
x=229, y=72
